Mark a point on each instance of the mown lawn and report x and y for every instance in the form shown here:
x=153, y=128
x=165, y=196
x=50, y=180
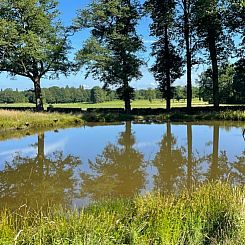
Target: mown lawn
x=115, y=104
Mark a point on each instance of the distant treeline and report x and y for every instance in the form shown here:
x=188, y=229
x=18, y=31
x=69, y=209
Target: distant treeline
x=55, y=95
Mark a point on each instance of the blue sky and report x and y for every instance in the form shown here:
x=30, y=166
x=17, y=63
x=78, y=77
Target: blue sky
x=68, y=9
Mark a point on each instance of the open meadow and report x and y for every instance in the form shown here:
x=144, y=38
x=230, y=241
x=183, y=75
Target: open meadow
x=115, y=104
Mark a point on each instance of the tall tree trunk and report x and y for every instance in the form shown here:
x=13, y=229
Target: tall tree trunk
x=215, y=71
x=38, y=94
x=127, y=104
x=188, y=52
x=127, y=101
x=168, y=81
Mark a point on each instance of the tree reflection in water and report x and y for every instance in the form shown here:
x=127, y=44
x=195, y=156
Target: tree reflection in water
x=40, y=181
x=238, y=173
x=170, y=163
x=180, y=167
x=117, y=171
x=219, y=167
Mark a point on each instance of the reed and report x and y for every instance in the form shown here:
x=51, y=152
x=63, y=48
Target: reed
x=210, y=214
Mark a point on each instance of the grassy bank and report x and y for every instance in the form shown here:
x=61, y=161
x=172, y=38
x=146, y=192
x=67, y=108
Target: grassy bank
x=228, y=115
x=211, y=214
x=29, y=120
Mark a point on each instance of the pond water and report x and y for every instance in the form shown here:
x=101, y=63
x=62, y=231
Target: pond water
x=75, y=166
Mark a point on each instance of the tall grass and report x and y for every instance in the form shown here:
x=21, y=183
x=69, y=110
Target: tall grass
x=210, y=214
x=28, y=119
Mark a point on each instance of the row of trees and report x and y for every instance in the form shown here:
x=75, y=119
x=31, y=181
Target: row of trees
x=54, y=95
x=58, y=95
x=186, y=32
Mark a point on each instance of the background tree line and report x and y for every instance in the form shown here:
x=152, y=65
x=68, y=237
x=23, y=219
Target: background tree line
x=231, y=83
x=34, y=44
x=55, y=95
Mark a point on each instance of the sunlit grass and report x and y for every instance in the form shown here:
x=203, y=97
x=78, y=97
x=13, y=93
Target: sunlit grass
x=115, y=104
x=28, y=119
x=211, y=214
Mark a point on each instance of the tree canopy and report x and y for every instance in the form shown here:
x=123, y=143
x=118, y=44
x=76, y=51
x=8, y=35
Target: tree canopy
x=33, y=43
x=110, y=54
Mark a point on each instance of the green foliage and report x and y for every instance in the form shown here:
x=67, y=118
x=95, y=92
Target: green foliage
x=210, y=214
x=238, y=85
x=33, y=43
x=210, y=22
x=235, y=18
x=110, y=55
x=168, y=65
x=97, y=95
x=71, y=95
x=179, y=93
x=11, y=96
x=231, y=83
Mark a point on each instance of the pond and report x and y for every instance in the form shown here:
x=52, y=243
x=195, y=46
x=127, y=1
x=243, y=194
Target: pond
x=72, y=167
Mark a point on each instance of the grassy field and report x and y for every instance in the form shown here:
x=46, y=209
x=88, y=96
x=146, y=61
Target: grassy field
x=212, y=214
x=115, y=104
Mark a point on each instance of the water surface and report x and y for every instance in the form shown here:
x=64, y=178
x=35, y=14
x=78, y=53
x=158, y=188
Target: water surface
x=75, y=166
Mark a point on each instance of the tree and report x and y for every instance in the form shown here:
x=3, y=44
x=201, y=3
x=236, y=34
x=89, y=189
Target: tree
x=179, y=93
x=150, y=94
x=97, y=95
x=110, y=55
x=187, y=10
x=209, y=19
x=235, y=19
x=226, y=83
x=10, y=96
x=239, y=81
x=187, y=33
x=32, y=43
x=168, y=65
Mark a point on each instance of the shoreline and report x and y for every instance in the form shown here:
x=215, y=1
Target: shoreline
x=21, y=121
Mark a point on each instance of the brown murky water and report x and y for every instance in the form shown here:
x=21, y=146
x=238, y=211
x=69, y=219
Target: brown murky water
x=75, y=166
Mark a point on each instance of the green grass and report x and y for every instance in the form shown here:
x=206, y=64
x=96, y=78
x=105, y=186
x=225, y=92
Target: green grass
x=227, y=115
x=10, y=119
x=27, y=119
x=115, y=104
x=212, y=214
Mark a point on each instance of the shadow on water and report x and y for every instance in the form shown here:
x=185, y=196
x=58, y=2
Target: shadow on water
x=120, y=168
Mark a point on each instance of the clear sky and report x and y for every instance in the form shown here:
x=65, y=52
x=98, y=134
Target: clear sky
x=68, y=9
